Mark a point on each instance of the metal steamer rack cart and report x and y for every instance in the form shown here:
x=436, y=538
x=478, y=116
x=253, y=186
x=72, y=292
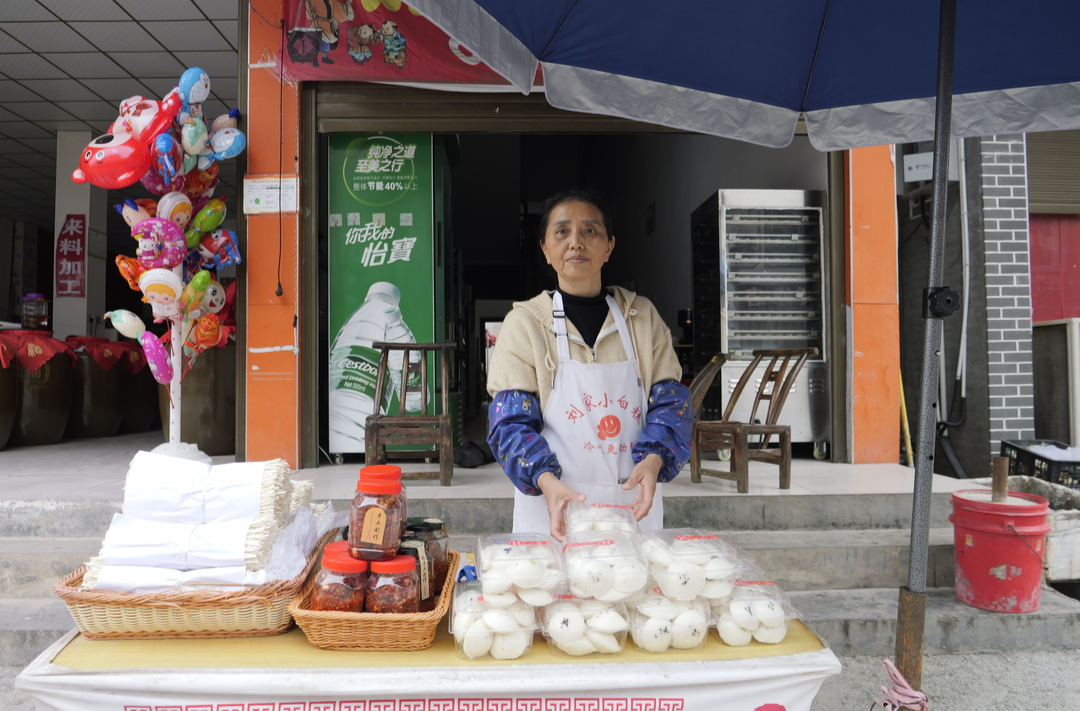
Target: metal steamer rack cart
x=760, y=281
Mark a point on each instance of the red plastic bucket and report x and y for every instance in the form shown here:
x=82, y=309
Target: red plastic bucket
x=999, y=549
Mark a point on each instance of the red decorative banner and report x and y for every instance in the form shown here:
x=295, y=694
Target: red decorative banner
x=377, y=41
x=71, y=257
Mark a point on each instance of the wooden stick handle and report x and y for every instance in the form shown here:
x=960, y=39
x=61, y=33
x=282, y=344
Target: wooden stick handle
x=1001, y=480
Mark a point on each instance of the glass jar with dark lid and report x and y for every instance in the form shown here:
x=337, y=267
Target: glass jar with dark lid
x=431, y=532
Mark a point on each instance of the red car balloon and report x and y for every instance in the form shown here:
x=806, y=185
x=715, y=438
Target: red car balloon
x=112, y=161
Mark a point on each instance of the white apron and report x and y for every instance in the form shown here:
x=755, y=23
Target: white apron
x=593, y=416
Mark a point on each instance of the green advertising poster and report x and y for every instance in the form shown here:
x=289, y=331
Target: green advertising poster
x=381, y=269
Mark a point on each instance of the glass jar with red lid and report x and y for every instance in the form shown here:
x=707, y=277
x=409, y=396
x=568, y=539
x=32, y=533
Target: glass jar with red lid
x=341, y=583
x=393, y=587
x=377, y=520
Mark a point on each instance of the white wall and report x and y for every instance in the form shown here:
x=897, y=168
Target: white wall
x=677, y=173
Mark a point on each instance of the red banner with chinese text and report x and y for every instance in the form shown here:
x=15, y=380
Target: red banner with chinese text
x=71, y=257
x=377, y=41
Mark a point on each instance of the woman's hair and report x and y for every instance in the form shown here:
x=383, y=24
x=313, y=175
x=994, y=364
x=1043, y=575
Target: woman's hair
x=576, y=195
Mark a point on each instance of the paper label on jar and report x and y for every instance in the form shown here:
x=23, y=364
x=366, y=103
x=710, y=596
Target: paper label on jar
x=423, y=566
x=374, y=526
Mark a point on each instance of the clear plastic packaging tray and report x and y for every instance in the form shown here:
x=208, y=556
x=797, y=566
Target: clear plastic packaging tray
x=519, y=566
x=577, y=628
x=756, y=610
x=606, y=565
x=687, y=563
x=659, y=623
x=482, y=630
x=585, y=516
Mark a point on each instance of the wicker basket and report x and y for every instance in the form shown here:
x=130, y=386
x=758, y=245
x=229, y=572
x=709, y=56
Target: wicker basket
x=257, y=611
x=372, y=632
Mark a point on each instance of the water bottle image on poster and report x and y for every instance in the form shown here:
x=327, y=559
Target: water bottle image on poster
x=381, y=269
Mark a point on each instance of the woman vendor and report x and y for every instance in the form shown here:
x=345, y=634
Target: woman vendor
x=586, y=399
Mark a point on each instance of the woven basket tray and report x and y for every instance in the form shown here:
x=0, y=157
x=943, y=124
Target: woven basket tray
x=257, y=611
x=369, y=631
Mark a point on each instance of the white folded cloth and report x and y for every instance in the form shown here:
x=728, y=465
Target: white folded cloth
x=144, y=580
x=181, y=546
x=169, y=489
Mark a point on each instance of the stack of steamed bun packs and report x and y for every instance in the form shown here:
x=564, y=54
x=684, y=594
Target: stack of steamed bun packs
x=607, y=582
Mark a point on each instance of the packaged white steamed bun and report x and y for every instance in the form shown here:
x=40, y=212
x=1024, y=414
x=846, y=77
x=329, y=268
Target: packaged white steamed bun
x=581, y=627
x=756, y=610
x=481, y=629
x=582, y=517
x=516, y=567
x=606, y=565
x=687, y=563
x=659, y=623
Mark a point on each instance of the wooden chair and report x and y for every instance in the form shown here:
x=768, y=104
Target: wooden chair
x=780, y=373
x=417, y=428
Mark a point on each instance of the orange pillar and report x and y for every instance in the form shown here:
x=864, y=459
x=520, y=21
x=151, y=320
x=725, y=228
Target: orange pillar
x=272, y=364
x=870, y=220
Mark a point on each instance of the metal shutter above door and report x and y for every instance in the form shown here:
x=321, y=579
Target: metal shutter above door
x=1054, y=172
x=358, y=107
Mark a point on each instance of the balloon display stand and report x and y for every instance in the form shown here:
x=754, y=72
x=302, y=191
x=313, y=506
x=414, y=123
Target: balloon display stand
x=174, y=447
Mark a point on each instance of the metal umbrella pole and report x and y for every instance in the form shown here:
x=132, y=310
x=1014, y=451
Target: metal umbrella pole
x=938, y=302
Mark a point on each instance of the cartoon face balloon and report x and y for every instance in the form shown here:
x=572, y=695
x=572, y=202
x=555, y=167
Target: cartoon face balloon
x=226, y=143
x=214, y=298
x=132, y=212
x=113, y=161
x=117, y=160
x=162, y=289
x=194, y=86
x=175, y=206
x=146, y=118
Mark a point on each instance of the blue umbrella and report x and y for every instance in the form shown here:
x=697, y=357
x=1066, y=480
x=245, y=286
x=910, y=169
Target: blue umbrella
x=860, y=73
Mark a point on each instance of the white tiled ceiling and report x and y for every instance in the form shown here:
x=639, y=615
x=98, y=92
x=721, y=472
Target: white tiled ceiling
x=67, y=64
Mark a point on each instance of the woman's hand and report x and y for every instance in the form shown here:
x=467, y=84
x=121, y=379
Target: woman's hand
x=644, y=478
x=558, y=495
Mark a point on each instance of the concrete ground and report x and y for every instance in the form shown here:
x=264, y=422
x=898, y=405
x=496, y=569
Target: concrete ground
x=94, y=470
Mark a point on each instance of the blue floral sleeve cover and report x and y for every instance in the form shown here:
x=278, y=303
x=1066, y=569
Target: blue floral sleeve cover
x=516, y=423
x=668, y=426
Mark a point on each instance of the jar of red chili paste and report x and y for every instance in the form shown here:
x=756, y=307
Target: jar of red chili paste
x=393, y=586
x=386, y=472
x=376, y=521
x=341, y=583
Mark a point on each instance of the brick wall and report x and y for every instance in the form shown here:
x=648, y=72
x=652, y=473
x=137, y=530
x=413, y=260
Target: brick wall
x=1008, y=289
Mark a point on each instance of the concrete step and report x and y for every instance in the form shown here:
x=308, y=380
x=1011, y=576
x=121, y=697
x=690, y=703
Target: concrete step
x=826, y=560
x=27, y=627
x=68, y=519
x=30, y=566
x=864, y=622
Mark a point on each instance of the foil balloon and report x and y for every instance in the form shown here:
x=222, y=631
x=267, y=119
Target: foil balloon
x=206, y=334
x=175, y=206
x=214, y=298
x=162, y=289
x=229, y=120
x=192, y=296
x=157, y=358
x=194, y=138
x=132, y=212
x=194, y=88
x=161, y=243
x=192, y=265
x=226, y=143
x=167, y=162
x=199, y=186
x=206, y=220
x=146, y=118
x=126, y=323
x=131, y=270
x=117, y=160
x=219, y=249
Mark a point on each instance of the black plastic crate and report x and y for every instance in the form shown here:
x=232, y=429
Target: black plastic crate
x=1023, y=462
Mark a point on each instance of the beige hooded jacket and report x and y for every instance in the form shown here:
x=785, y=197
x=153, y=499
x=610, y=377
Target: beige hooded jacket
x=526, y=355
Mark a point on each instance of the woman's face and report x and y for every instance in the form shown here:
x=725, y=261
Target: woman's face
x=577, y=246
